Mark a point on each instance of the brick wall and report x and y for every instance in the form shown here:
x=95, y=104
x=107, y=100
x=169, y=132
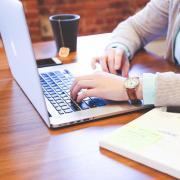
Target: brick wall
x=97, y=16
x=32, y=14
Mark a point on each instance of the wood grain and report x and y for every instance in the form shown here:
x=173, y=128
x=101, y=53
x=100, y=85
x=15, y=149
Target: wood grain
x=29, y=150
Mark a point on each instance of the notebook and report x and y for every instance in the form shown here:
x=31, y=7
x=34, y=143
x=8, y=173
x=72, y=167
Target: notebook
x=48, y=88
x=153, y=139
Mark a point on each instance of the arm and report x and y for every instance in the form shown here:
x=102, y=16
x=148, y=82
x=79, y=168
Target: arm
x=150, y=23
x=161, y=89
x=145, y=26
x=167, y=89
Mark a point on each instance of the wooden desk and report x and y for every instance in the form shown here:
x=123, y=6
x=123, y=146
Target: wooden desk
x=29, y=150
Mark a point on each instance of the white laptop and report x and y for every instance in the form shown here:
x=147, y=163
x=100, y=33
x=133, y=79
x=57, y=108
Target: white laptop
x=48, y=88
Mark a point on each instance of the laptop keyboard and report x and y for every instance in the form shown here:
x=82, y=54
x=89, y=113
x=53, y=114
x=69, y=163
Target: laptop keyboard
x=56, y=88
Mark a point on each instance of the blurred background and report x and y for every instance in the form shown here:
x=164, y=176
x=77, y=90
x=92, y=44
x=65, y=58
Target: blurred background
x=97, y=16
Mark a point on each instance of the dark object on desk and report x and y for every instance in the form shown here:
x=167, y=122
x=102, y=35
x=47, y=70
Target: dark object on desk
x=65, y=30
x=174, y=109
x=48, y=62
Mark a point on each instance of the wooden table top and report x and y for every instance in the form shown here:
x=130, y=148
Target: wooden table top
x=29, y=150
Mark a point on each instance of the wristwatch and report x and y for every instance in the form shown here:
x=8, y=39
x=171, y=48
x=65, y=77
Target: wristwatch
x=131, y=85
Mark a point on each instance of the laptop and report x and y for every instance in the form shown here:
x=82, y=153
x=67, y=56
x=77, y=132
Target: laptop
x=48, y=88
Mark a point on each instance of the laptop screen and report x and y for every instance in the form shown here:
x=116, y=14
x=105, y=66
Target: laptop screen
x=19, y=51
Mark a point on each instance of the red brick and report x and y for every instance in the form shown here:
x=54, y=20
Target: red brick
x=96, y=16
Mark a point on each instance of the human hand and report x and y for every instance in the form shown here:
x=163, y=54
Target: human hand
x=112, y=61
x=100, y=84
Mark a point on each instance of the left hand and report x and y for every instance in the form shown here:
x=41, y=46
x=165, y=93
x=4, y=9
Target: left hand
x=113, y=60
x=100, y=84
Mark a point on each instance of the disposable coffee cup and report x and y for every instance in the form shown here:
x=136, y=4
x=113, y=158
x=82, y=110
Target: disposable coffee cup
x=65, y=30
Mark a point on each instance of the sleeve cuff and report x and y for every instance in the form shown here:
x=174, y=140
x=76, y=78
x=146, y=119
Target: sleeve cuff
x=149, y=88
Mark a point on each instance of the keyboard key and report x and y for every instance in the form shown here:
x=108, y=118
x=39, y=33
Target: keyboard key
x=65, y=107
x=68, y=100
x=57, y=98
x=68, y=111
x=60, y=101
x=61, y=112
x=62, y=104
x=58, y=108
x=55, y=105
x=74, y=107
x=53, y=102
x=83, y=105
x=87, y=99
x=50, y=99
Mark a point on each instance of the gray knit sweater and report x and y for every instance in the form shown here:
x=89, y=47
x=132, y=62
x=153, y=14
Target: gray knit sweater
x=159, y=17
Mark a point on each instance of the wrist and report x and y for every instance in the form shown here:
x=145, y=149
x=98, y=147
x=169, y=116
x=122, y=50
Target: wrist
x=125, y=96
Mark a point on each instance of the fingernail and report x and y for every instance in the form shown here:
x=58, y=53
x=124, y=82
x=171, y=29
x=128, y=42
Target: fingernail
x=116, y=67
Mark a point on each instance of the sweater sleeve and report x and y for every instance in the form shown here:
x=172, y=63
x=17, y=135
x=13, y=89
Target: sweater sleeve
x=167, y=89
x=145, y=26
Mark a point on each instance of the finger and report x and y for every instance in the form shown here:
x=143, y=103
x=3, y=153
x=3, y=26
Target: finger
x=94, y=61
x=83, y=84
x=87, y=93
x=85, y=77
x=104, y=62
x=111, y=57
x=118, y=59
x=125, y=68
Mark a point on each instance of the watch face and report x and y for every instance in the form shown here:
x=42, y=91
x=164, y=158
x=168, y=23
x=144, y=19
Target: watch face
x=132, y=82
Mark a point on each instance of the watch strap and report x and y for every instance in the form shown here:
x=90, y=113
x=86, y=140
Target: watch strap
x=131, y=92
x=132, y=96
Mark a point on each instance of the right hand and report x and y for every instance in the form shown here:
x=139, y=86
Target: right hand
x=93, y=86
x=113, y=60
